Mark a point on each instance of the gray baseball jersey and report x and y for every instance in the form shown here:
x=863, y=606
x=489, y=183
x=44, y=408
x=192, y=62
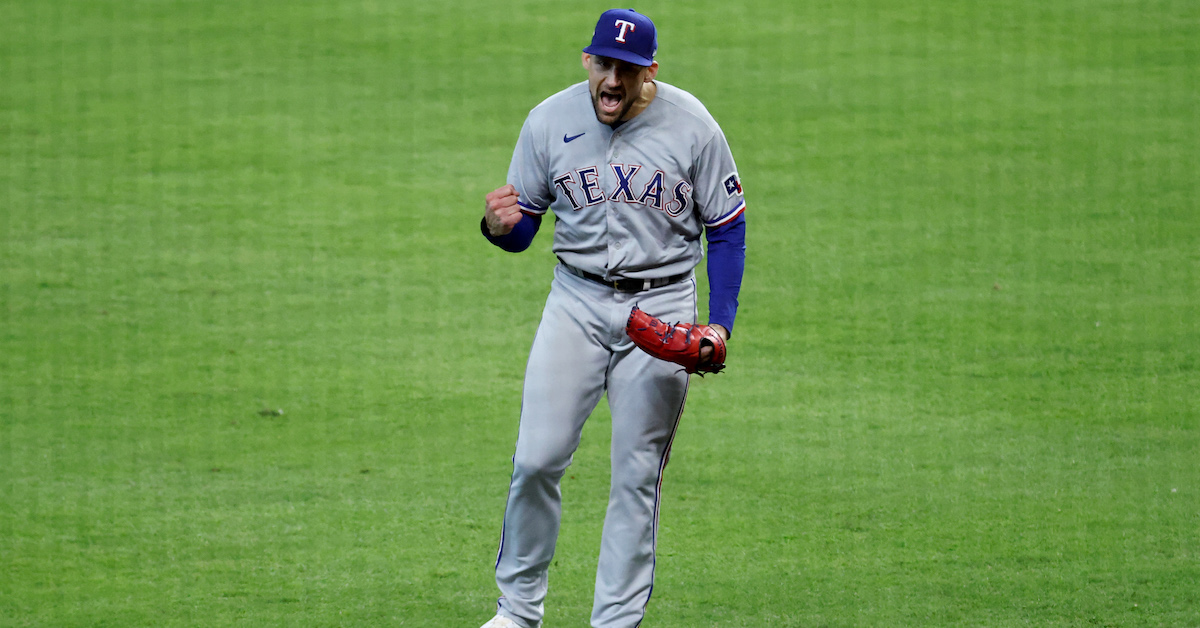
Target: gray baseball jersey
x=658, y=180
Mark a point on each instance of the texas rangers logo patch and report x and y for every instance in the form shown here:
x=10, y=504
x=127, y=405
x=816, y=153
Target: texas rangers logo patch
x=733, y=185
x=623, y=25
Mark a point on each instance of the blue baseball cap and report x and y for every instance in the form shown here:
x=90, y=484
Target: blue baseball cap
x=625, y=34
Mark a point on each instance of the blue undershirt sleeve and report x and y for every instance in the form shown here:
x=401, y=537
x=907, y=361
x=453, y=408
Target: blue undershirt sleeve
x=519, y=238
x=726, y=264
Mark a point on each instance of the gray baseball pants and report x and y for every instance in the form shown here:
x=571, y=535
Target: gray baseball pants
x=580, y=352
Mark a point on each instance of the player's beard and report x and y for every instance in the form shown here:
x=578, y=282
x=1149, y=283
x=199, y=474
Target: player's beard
x=619, y=114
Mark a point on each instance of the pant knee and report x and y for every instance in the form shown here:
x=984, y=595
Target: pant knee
x=539, y=467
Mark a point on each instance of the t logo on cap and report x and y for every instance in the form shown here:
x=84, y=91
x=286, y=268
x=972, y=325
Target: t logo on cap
x=623, y=25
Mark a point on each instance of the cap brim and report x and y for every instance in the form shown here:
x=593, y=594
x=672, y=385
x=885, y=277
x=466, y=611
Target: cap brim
x=619, y=53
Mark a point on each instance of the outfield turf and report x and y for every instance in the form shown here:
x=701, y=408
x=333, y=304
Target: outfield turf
x=963, y=383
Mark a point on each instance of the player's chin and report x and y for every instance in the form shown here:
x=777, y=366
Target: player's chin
x=609, y=107
x=604, y=118
x=608, y=116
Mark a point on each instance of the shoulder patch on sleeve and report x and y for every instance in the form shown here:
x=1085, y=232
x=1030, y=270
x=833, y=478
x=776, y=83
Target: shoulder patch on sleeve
x=733, y=185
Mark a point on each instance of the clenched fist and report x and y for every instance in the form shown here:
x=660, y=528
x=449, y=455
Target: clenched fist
x=502, y=212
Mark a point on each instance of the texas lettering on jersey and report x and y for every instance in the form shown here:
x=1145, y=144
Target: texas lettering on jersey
x=582, y=188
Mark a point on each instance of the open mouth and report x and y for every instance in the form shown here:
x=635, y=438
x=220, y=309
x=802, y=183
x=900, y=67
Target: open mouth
x=610, y=102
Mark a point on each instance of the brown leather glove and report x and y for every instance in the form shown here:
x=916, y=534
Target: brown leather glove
x=679, y=343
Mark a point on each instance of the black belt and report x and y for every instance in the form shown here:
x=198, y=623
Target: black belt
x=625, y=285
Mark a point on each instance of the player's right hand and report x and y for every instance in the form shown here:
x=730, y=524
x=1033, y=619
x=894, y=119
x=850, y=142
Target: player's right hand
x=502, y=212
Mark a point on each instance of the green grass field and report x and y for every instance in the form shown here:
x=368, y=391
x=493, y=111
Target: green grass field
x=963, y=387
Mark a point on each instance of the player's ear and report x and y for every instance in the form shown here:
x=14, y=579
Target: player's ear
x=653, y=72
x=587, y=61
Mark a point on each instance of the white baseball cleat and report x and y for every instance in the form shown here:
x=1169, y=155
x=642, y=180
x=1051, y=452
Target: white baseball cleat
x=500, y=621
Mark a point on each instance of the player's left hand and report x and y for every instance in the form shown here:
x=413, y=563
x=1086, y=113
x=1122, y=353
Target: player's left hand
x=684, y=344
x=706, y=350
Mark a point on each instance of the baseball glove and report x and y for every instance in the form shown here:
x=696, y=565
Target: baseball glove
x=679, y=343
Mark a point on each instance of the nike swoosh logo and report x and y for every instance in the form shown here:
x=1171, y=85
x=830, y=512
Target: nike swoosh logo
x=568, y=140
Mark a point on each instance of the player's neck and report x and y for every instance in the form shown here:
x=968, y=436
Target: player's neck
x=649, y=91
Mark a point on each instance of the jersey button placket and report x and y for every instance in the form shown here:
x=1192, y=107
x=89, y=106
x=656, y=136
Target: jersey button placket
x=620, y=308
x=614, y=231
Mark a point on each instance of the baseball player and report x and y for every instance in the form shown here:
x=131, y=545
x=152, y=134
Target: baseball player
x=635, y=171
